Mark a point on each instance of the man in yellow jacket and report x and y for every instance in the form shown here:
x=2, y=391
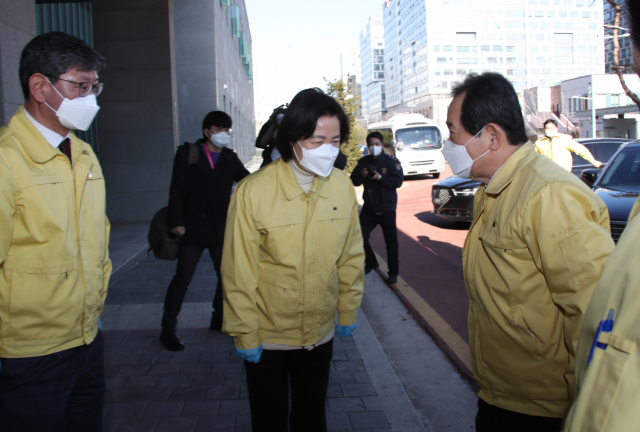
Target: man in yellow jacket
x=558, y=147
x=535, y=250
x=608, y=374
x=54, y=234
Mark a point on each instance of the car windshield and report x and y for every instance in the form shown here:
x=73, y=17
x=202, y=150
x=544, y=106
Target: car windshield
x=418, y=138
x=624, y=170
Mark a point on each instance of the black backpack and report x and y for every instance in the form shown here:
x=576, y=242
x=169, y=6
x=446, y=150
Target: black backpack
x=162, y=242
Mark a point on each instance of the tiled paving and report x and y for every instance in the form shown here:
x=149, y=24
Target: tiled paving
x=202, y=388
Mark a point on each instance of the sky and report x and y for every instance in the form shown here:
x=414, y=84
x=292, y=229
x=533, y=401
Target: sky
x=298, y=42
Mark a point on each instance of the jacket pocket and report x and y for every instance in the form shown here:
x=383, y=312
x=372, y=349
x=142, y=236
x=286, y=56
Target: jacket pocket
x=278, y=300
x=331, y=294
x=44, y=301
x=600, y=389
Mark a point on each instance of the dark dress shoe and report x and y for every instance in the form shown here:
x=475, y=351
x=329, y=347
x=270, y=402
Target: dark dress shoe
x=216, y=322
x=171, y=341
x=392, y=279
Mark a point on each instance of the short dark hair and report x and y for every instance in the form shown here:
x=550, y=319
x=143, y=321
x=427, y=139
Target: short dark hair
x=55, y=53
x=301, y=118
x=633, y=13
x=375, y=134
x=216, y=118
x=490, y=98
x=550, y=121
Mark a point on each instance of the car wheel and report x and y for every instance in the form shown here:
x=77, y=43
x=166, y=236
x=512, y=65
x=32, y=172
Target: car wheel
x=436, y=175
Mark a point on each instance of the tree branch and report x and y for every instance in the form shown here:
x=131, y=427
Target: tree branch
x=616, y=51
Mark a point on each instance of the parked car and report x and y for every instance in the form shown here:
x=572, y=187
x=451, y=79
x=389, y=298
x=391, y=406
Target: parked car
x=453, y=197
x=618, y=184
x=601, y=148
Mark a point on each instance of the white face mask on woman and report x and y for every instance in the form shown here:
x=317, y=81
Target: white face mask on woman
x=458, y=157
x=319, y=160
x=76, y=113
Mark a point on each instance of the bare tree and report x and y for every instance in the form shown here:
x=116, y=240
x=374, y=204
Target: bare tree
x=616, y=50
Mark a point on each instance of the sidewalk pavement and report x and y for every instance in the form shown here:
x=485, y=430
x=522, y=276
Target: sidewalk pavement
x=204, y=387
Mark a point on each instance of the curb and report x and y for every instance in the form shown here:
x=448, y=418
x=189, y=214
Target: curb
x=451, y=355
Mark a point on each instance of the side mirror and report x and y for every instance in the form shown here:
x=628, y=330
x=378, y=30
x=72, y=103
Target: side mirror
x=589, y=176
x=392, y=143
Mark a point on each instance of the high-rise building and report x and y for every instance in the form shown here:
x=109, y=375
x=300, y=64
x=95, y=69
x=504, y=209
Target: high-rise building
x=624, y=41
x=372, y=69
x=432, y=44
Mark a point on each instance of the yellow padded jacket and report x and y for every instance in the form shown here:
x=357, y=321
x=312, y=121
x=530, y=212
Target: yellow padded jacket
x=607, y=388
x=291, y=260
x=54, y=237
x=559, y=149
x=538, y=243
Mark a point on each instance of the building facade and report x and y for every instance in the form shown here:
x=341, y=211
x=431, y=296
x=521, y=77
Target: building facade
x=372, y=63
x=615, y=113
x=430, y=45
x=169, y=63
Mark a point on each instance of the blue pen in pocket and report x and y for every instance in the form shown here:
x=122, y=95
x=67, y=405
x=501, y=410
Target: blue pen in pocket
x=604, y=326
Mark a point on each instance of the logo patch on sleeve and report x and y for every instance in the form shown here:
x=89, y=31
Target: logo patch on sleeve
x=384, y=170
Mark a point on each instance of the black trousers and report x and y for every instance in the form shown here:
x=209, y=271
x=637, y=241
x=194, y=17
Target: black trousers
x=59, y=392
x=387, y=221
x=493, y=419
x=188, y=258
x=306, y=372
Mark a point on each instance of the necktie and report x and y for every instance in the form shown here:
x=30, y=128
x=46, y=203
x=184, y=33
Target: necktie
x=65, y=147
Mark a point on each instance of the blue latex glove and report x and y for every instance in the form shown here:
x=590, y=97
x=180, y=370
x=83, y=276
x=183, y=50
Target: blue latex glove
x=99, y=324
x=345, y=331
x=252, y=355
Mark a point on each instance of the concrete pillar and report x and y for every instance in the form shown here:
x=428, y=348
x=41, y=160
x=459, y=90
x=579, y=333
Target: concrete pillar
x=138, y=118
x=17, y=28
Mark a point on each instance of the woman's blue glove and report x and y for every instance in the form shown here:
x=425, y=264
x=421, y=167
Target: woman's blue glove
x=252, y=355
x=345, y=331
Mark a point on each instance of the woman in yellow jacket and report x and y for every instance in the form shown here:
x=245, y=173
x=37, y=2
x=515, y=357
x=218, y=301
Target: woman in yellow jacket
x=293, y=256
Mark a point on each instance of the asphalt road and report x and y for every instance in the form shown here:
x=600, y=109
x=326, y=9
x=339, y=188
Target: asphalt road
x=430, y=252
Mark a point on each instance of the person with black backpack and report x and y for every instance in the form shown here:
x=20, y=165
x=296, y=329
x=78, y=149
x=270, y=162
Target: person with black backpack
x=198, y=202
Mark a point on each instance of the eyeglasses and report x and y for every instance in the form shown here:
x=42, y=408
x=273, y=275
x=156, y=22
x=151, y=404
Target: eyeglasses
x=84, y=88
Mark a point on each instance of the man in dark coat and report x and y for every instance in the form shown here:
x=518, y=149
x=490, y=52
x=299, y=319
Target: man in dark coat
x=381, y=174
x=198, y=202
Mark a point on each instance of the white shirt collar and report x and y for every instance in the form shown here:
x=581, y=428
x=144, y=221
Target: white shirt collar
x=50, y=136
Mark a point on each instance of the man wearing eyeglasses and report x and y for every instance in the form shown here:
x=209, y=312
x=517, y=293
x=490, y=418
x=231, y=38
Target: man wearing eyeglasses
x=54, y=236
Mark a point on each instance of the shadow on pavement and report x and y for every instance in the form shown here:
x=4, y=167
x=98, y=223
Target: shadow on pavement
x=436, y=221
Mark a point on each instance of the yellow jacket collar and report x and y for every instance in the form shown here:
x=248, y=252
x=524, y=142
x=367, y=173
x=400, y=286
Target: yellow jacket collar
x=34, y=143
x=290, y=185
x=511, y=168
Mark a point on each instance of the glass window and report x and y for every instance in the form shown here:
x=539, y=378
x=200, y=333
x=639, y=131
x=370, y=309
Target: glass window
x=568, y=26
x=539, y=13
x=510, y=72
x=436, y=48
x=442, y=60
x=533, y=2
x=514, y=14
x=467, y=60
x=551, y=14
x=461, y=72
x=419, y=138
x=485, y=48
x=568, y=2
x=447, y=48
x=497, y=48
x=448, y=71
x=544, y=2
x=586, y=14
x=579, y=2
x=574, y=14
x=437, y=72
x=515, y=25
x=511, y=49
x=492, y=60
x=562, y=14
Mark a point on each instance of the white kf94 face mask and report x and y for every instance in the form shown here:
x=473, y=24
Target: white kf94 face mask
x=319, y=160
x=76, y=113
x=375, y=150
x=458, y=157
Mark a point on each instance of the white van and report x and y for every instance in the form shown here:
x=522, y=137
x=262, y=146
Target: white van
x=417, y=142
